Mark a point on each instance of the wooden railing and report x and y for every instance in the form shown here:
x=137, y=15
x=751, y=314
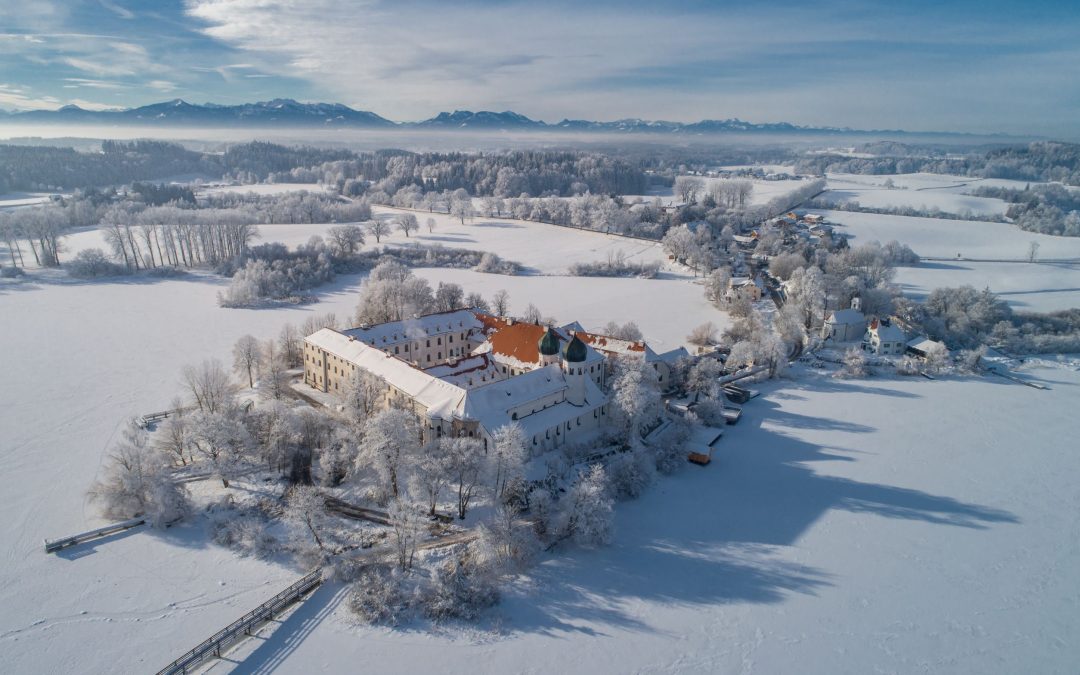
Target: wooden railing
x=57, y=544
x=213, y=646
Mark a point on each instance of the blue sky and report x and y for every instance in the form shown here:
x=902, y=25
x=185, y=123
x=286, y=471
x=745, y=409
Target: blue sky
x=968, y=66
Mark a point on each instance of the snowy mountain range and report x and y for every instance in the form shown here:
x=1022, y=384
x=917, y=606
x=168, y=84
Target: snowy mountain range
x=290, y=113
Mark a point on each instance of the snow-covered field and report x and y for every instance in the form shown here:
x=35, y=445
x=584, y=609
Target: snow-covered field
x=842, y=528
x=81, y=359
x=16, y=200
x=923, y=182
x=764, y=190
x=924, y=200
x=881, y=525
x=263, y=189
x=1043, y=287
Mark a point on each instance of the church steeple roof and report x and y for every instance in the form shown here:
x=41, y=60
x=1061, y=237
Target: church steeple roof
x=549, y=343
x=575, y=351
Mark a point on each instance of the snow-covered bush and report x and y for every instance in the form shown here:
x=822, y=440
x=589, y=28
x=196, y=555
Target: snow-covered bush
x=908, y=366
x=970, y=360
x=854, y=363
x=710, y=411
x=137, y=481
x=615, y=266
x=493, y=264
x=632, y=474
x=670, y=456
x=92, y=263
x=542, y=508
x=377, y=597
x=586, y=514
x=460, y=590
x=247, y=534
x=11, y=272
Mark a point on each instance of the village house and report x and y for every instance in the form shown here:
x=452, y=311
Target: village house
x=845, y=325
x=743, y=288
x=923, y=346
x=884, y=339
x=466, y=373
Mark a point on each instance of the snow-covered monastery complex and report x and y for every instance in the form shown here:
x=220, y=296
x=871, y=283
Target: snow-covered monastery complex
x=466, y=373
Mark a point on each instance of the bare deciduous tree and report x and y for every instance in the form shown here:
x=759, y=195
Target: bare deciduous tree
x=407, y=223
x=247, y=358
x=209, y=385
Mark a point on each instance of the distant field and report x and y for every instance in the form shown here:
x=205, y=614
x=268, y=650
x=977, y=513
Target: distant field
x=1042, y=287
x=764, y=190
x=945, y=238
x=925, y=200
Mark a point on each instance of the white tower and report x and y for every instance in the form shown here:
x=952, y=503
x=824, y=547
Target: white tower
x=573, y=367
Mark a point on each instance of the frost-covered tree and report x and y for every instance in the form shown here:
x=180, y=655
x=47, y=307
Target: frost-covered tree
x=533, y=314
x=586, y=512
x=461, y=208
x=209, y=386
x=247, y=358
x=627, y=331
x=689, y=188
x=636, y=397
x=702, y=336
x=173, y=438
x=500, y=302
x=407, y=223
x=222, y=441
x=378, y=229
x=631, y=474
x=807, y=288
x=407, y=527
x=392, y=293
x=465, y=457
x=703, y=378
x=430, y=475
x=448, y=297
x=137, y=481
x=506, y=457
x=346, y=239
x=430, y=222
x=505, y=543
x=716, y=285
x=377, y=597
x=389, y=437
x=937, y=358
x=459, y=590
x=785, y=264
x=476, y=301
x=273, y=375
x=362, y=396
x=306, y=515
x=854, y=363
x=291, y=346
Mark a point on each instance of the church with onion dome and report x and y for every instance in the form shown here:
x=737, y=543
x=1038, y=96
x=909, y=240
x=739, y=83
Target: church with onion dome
x=467, y=373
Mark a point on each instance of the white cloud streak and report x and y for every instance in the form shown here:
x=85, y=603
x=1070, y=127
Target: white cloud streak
x=408, y=60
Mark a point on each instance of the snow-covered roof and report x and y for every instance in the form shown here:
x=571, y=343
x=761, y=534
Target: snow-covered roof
x=923, y=344
x=469, y=372
x=674, y=355
x=410, y=329
x=887, y=332
x=492, y=404
x=437, y=396
x=517, y=342
x=613, y=345
x=704, y=437
x=560, y=413
x=847, y=316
